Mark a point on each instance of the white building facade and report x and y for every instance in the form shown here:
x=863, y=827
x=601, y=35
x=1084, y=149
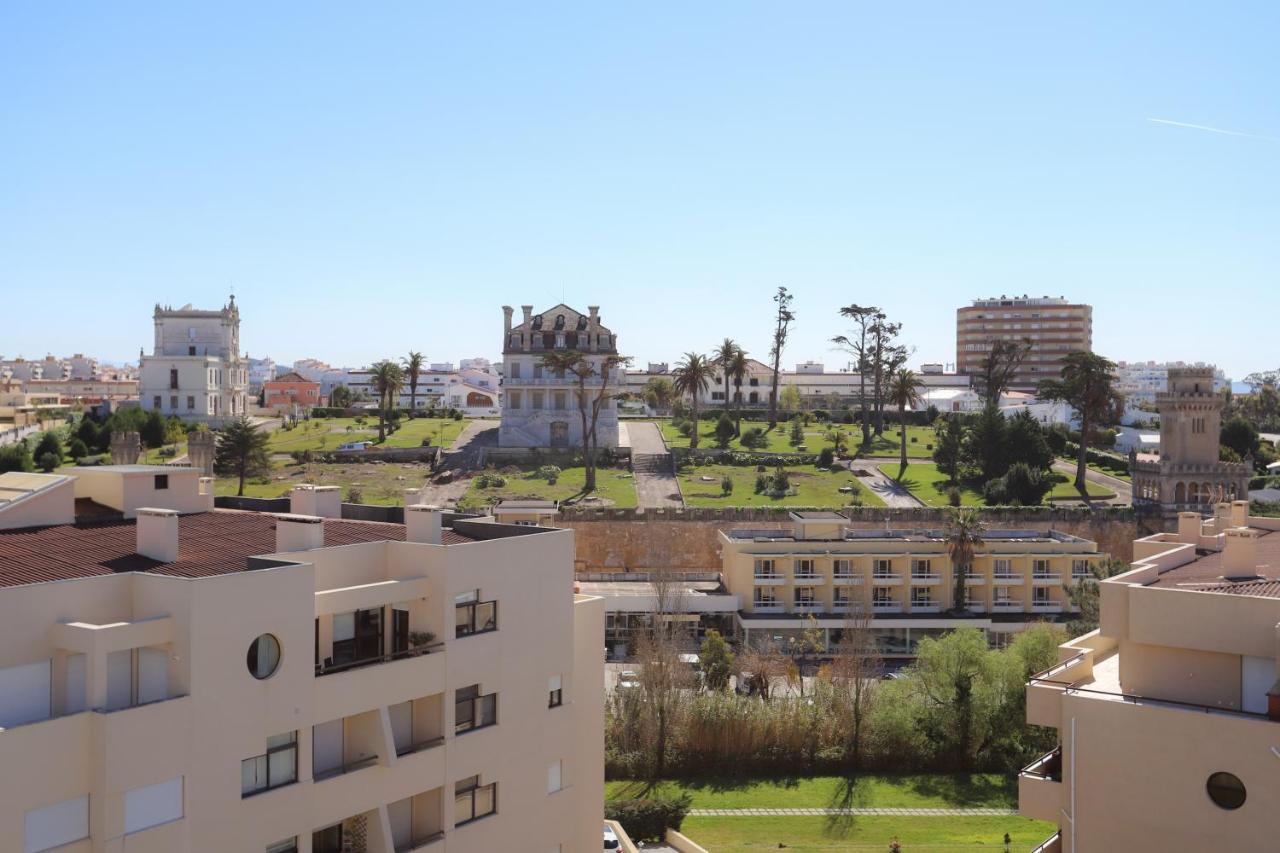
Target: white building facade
x=196, y=371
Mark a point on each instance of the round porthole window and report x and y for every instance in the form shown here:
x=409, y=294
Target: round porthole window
x=1226, y=790
x=264, y=656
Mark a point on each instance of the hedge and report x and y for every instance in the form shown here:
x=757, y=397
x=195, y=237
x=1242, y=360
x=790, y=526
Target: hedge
x=648, y=820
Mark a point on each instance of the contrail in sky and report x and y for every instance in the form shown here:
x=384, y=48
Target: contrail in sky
x=1210, y=129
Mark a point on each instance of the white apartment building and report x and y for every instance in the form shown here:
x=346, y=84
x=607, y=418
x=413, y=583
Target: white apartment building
x=191, y=679
x=1139, y=382
x=475, y=392
x=195, y=370
x=261, y=371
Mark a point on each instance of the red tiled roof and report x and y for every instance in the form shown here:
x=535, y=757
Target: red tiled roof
x=210, y=543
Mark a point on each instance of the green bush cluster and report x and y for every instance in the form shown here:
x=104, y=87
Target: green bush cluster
x=648, y=820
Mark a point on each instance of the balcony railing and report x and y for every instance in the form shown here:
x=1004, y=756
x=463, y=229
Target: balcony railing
x=345, y=768
x=1047, y=766
x=328, y=667
x=807, y=606
x=1006, y=605
x=886, y=577
x=768, y=578
x=972, y=579
x=1006, y=578
x=767, y=607
x=809, y=578
x=926, y=607
x=421, y=746
x=420, y=843
x=1046, y=577
x=843, y=578
x=886, y=606
x=1047, y=606
x=925, y=578
x=1052, y=844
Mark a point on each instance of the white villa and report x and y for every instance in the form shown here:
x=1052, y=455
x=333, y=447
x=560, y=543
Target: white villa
x=196, y=370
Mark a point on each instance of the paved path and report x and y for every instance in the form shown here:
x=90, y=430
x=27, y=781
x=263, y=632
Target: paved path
x=881, y=484
x=851, y=812
x=1123, y=490
x=655, y=480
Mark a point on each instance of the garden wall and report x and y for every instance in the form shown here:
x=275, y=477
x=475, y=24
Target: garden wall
x=636, y=540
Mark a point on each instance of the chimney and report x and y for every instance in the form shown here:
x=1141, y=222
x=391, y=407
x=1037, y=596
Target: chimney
x=507, y=311
x=423, y=523
x=1189, y=527
x=527, y=338
x=157, y=531
x=1240, y=554
x=299, y=532
x=593, y=326
x=412, y=496
x=322, y=501
x=1239, y=513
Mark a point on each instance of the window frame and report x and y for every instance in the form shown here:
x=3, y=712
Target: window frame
x=470, y=792
x=287, y=746
x=478, y=702
x=468, y=626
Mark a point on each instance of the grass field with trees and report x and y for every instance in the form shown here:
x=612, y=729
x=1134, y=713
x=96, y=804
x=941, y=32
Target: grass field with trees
x=613, y=486
x=703, y=486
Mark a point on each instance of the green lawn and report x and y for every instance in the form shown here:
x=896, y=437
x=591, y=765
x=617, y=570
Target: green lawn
x=926, y=482
x=812, y=486
x=377, y=483
x=617, y=487
x=920, y=441
x=979, y=790
x=777, y=439
x=810, y=834
x=325, y=434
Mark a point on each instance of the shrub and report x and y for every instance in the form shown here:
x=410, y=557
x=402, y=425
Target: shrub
x=724, y=431
x=953, y=496
x=821, y=415
x=550, y=473
x=847, y=416
x=1021, y=485
x=77, y=449
x=490, y=481
x=753, y=438
x=685, y=428
x=354, y=495
x=762, y=483
x=826, y=457
x=726, y=485
x=49, y=461
x=48, y=444
x=797, y=432
x=648, y=820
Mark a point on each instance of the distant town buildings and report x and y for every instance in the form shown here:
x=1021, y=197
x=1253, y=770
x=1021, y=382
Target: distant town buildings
x=1053, y=326
x=195, y=370
x=540, y=408
x=475, y=391
x=261, y=371
x=291, y=394
x=1139, y=382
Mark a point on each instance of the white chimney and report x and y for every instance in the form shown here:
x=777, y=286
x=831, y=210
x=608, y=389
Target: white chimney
x=412, y=496
x=1239, y=513
x=157, y=531
x=1189, y=527
x=424, y=523
x=299, y=532
x=1240, y=554
x=328, y=502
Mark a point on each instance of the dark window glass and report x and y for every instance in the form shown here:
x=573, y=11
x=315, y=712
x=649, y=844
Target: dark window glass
x=473, y=711
x=476, y=617
x=1226, y=790
x=327, y=840
x=263, y=657
x=162, y=481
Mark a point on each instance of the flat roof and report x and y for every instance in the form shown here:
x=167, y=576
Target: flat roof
x=525, y=504
x=1205, y=573
x=130, y=469
x=15, y=485
x=211, y=543
x=782, y=534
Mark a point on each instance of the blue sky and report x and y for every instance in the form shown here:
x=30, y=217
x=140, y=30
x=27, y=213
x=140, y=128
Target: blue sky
x=372, y=178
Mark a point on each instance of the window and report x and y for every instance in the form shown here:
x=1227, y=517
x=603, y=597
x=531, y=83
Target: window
x=472, y=711
x=473, y=616
x=357, y=636
x=173, y=403
x=764, y=569
x=805, y=568
x=920, y=568
x=920, y=596
x=804, y=596
x=289, y=845
x=1226, y=790
x=764, y=598
x=1080, y=569
x=1040, y=595
x=191, y=403
x=191, y=350
x=882, y=568
x=843, y=568
x=328, y=840
x=1003, y=568
x=56, y=825
x=155, y=402
x=842, y=597
x=263, y=657
x=173, y=378
x=162, y=482
x=1040, y=567
x=472, y=801
x=555, y=776
x=555, y=692
x=753, y=382
x=153, y=805
x=277, y=767
x=880, y=596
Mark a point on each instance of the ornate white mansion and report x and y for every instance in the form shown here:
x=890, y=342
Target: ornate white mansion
x=196, y=370
x=540, y=408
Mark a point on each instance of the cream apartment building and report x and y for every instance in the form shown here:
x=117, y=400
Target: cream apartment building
x=1054, y=326
x=1168, y=716
x=820, y=566
x=192, y=679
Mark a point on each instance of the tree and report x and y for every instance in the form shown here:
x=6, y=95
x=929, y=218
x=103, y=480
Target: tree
x=174, y=431
x=241, y=451
x=781, y=329
x=584, y=370
x=723, y=359
x=87, y=431
x=716, y=661
x=947, y=443
x=1088, y=386
x=865, y=316
x=983, y=450
x=963, y=537
x=340, y=396
x=413, y=364
x=691, y=378
x=152, y=433
x=886, y=357
x=1085, y=594
x=77, y=449
x=997, y=369
x=737, y=370
x=658, y=393
x=1237, y=433
x=789, y=399
x=724, y=431
x=1025, y=441
x=48, y=462
x=904, y=392
x=386, y=379
x=662, y=674
x=1021, y=485
x=855, y=669
x=48, y=444
x=16, y=457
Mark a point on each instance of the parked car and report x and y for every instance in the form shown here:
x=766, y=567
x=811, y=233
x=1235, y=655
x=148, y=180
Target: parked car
x=628, y=679
x=611, y=841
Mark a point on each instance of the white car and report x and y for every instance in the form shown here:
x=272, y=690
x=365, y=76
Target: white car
x=628, y=679
x=611, y=841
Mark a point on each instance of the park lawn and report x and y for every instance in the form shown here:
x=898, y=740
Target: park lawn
x=929, y=484
x=377, y=483
x=777, y=439
x=813, y=487
x=616, y=487
x=809, y=834
x=153, y=456
x=325, y=434
x=926, y=790
x=920, y=441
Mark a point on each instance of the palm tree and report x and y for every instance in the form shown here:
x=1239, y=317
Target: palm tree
x=387, y=379
x=241, y=451
x=723, y=358
x=903, y=392
x=738, y=370
x=412, y=369
x=963, y=537
x=1088, y=386
x=692, y=377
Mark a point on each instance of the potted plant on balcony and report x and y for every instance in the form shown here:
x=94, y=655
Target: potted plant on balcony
x=419, y=640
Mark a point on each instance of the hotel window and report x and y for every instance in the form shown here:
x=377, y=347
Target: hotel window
x=555, y=692
x=162, y=482
x=278, y=766
x=173, y=378
x=173, y=403
x=1002, y=568
x=882, y=568
x=920, y=596
x=1080, y=569
x=515, y=370
x=920, y=568
x=537, y=371
x=1002, y=596
x=764, y=569
x=513, y=400
x=804, y=596
x=1040, y=595
x=881, y=595
x=842, y=597
x=559, y=400
x=843, y=568
x=473, y=711
x=535, y=399
x=328, y=840
x=1040, y=568
x=763, y=598
x=191, y=403
x=472, y=801
x=804, y=568
x=473, y=616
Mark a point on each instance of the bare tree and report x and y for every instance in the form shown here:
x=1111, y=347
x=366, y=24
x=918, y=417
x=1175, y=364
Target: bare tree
x=782, y=327
x=855, y=672
x=761, y=666
x=997, y=369
x=662, y=675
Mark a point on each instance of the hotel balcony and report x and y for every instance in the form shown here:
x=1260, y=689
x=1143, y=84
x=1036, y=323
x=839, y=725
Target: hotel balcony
x=1007, y=606
x=886, y=607
x=1046, y=607
x=975, y=580
x=1053, y=844
x=397, y=678
x=809, y=579
x=1007, y=580
x=1040, y=788
x=807, y=607
x=768, y=607
x=926, y=579
x=926, y=607
x=886, y=578
x=769, y=579
x=846, y=579
x=844, y=607
x=1046, y=579
x=417, y=822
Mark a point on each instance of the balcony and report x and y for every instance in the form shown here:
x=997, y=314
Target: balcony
x=328, y=667
x=1052, y=844
x=345, y=768
x=975, y=580
x=768, y=607
x=1006, y=606
x=1046, y=579
x=847, y=579
x=421, y=845
x=1040, y=788
x=400, y=678
x=886, y=578
x=926, y=607
x=925, y=579
x=1046, y=607
x=886, y=607
x=1007, y=579
x=769, y=579
x=809, y=579
x=807, y=607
